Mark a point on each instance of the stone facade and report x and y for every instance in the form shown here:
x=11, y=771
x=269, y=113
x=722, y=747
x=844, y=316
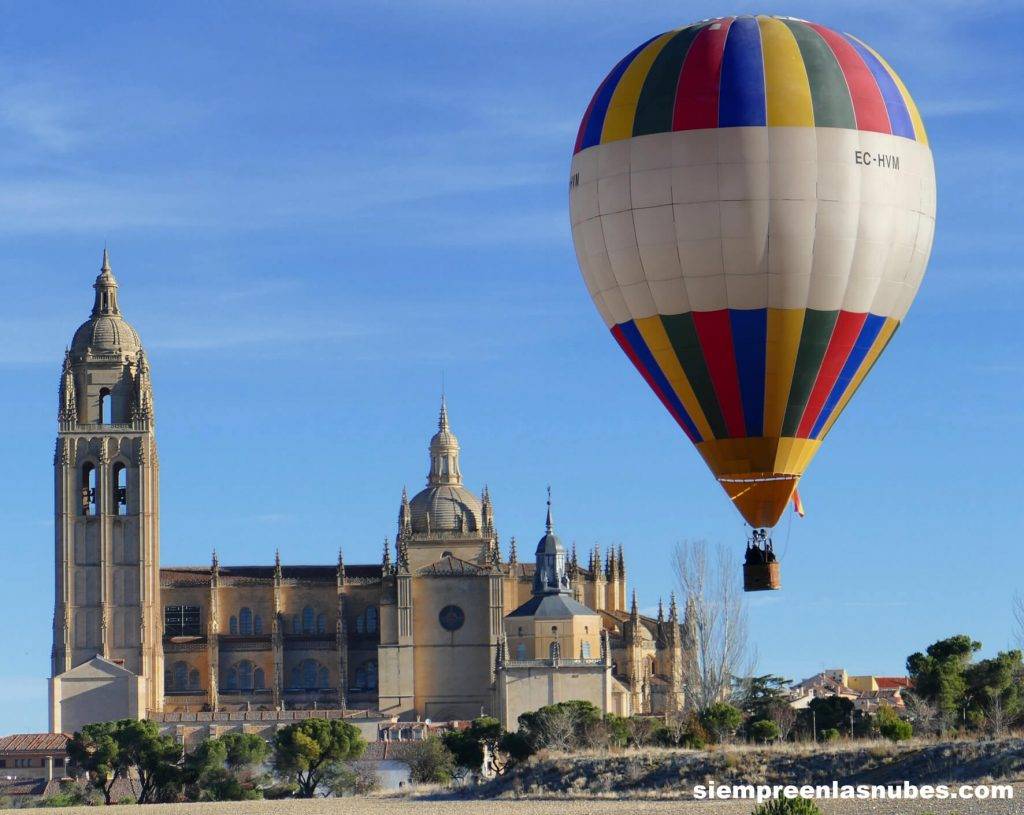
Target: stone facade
x=425, y=632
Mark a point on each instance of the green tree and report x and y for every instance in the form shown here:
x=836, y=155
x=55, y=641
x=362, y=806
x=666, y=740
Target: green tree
x=764, y=731
x=97, y=754
x=430, y=762
x=830, y=734
x=995, y=691
x=939, y=674
x=480, y=742
x=106, y=751
x=357, y=778
x=227, y=768
x=304, y=751
x=891, y=726
x=757, y=696
x=721, y=719
x=830, y=713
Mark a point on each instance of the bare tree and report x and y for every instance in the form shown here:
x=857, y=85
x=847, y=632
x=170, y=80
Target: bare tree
x=640, y=730
x=995, y=716
x=921, y=713
x=784, y=717
x=714, y=622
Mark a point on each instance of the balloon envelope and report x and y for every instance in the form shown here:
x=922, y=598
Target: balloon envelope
x=753, y=203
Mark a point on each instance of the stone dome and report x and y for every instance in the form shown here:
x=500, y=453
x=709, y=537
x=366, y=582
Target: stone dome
x=106, y=331
x=106, y=334
x=446, y=504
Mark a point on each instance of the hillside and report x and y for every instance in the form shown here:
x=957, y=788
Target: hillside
x=673, y=773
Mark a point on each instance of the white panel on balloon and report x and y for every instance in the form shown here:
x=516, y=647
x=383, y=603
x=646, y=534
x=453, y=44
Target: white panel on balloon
x=639, y=300
x=670, y=296
x=707, y=293
x=649, y=188
x=743, y=182
x=697, y=221
x=695, y=183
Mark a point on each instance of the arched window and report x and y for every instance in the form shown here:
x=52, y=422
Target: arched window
x=371, y=676
x=257, y=624
x=258, y=680
x=296, y=677
x=193, y=679
x=307, y=620
x=120, y=482
x=520, y=631
x=89, y=495
x=371, y=620
x=554, y=629
x=233, y=625
x=232, y=679
x=296, y=624
x=521, y=652
x=105, y=416
x=360, y=683
x=585, y=651
x=555, y=650
x=245, y=621
x=245, y=675
x=321, y=624
x=180, y=680
x=309, y=674
x=323, y=679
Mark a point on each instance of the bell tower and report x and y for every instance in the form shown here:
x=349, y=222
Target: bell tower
x=106, y=491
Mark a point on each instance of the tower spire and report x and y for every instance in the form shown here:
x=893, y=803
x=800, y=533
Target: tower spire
x=549, y=523
x=105, y=303
x=386, y=558
x=634, y=610
x=442, y=419
x=513, y=555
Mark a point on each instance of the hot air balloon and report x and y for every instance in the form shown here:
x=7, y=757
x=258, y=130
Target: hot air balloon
x=753, y=203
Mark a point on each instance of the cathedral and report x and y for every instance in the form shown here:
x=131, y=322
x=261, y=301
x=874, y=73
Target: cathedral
x=447, y=625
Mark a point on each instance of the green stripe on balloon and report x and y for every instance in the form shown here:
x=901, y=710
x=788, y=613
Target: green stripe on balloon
x=814, y=339
x=830, y=95
x=682, y=333
x=658, y=95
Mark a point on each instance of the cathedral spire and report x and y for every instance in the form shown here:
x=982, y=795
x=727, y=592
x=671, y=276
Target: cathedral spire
x=661, y=611
x=442, y=419
x=105, y=303
x=444, y=453
x=386, y=558
x=550, y=576
x=513, y=555
x=673, y=609
x=634, y=611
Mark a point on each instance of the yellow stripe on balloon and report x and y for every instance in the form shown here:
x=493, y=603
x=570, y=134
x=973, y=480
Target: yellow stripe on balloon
x=783, y=342
x=618, y=120
x=653, y=332
x=888, y=329
x=915, y=115
x=787, y=89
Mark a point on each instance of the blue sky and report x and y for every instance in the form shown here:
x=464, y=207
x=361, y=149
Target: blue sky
x=315, y=210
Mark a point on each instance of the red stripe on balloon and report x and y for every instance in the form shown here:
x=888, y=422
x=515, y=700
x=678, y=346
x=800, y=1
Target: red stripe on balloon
x=623, y=342
x=696, y=104
x=714, y=330
x=844, y=336
x=868, y=104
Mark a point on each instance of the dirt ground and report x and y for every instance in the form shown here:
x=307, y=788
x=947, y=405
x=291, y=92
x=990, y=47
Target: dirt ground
x=419, y=806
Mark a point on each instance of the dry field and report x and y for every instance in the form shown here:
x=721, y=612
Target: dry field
x=419, y=806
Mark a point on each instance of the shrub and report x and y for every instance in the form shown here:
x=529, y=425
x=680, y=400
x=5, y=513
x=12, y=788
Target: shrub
x=788, y=806
x=891, y=726
x=430, y=762
x=831, y=734
x=764, y=731
x=722, y=719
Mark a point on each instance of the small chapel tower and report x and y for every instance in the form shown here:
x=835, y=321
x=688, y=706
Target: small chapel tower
x=106, y=490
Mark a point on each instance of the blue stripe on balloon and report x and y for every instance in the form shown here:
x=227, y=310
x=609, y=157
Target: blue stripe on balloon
x=741, y=98
x=749, y=338
x=872, y=325
x=603, y=98
x=633, y=336
x=899, y=116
